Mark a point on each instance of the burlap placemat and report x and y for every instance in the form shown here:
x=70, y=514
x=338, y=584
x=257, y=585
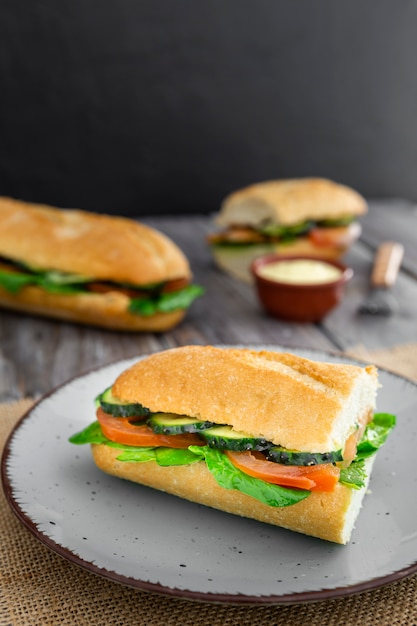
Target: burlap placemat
x=39, y=588
x=400, y=359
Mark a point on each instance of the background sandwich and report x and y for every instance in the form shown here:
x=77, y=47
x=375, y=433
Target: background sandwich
x=265, y=435
x=307, y=216
x=93, y=269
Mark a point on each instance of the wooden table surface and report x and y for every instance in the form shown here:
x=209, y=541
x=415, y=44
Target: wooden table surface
x=37, y=354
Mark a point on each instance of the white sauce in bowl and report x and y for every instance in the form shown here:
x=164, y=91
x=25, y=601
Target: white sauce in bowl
x=300, y=272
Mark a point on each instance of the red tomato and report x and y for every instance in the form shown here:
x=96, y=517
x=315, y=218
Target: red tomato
x=337, y=236
x=321, y=477
x=121, y=430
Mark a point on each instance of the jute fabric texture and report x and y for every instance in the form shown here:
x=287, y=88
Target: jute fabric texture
x=40, y=588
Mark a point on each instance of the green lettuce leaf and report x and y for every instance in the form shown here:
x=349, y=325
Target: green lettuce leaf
x=138, y=454
x=225, y=473
x=230, y=477
x=91, y=434
x=57, y=282
x=354, y=476
x=61, y=282
x=14, y=281
x=286, y=232
x=375, y=434
x=175, y=456
x=54, y=277
x=166, y=302
x=57, y=288
x=52, y=281
x=341, y=221
x=373, y=438
x=163, y=456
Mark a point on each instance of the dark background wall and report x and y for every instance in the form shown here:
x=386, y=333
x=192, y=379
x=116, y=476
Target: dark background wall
x=160, y=106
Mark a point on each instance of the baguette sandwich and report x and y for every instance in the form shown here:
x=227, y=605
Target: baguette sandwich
x=306, y=216
x=265, y=435
x=84, y=267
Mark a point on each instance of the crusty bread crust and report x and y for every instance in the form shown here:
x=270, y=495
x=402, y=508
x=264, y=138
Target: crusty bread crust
x=107, y=310
x=292, y=401
x=102, y=247
x=329, y=516
x=236, y=260
x=290, y=201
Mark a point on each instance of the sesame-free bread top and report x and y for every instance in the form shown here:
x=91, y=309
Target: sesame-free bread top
x=102, y=247
x=292, y=401
x=290, y=201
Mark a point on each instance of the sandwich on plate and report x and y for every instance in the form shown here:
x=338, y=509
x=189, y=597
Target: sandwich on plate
x=84, y=267
x=265, y=435
x=306, y=216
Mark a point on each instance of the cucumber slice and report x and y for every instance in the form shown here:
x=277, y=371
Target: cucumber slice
x=275, y=230
x=118, y=408
x=172, y=424
x=295, y=457
x=226, y=438
x=341, y=221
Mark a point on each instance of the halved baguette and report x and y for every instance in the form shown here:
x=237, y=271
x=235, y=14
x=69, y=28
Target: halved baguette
x=292, y=401
x=289, y=400
x=107, y=310
x=289, y=201
x=328, y=516
x=284, y=202
x=107, y=249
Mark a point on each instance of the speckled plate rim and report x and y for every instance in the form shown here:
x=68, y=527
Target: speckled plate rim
x=312, y=595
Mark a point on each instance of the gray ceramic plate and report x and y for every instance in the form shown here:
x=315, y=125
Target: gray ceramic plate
x=156, y=542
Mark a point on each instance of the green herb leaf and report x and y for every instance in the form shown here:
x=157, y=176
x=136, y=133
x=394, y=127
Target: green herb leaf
x=276, y=230
x=341, y=221
x=229, y=477
x=137, y=455
x=142, y=306
x=14, y=281
x=163, y=456
x=51, y=281
x=54, y=277
x=373, y=438
x=354, y=476
x=90, y=434
x=166, y=302
x=179, y=299
x=54, y=287
x=375, y=434
x=175, y=456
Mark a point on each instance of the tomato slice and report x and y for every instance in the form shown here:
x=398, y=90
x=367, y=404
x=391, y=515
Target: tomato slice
x=337, y=236
x=321, y=477
x=169, y=286
x=351, y=445
x=121, y=430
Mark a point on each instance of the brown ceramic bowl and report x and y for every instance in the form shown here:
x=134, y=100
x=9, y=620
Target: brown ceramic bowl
x=301, y=301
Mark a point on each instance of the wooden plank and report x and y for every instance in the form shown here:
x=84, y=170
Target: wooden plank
x=38, y=354
x=394, y=220
x=348, y=328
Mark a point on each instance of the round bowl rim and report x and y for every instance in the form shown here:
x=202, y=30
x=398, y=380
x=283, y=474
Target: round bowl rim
x=266, y=259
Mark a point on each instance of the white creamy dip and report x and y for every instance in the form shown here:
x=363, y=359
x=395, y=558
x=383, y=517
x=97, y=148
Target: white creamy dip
x=300, y=272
